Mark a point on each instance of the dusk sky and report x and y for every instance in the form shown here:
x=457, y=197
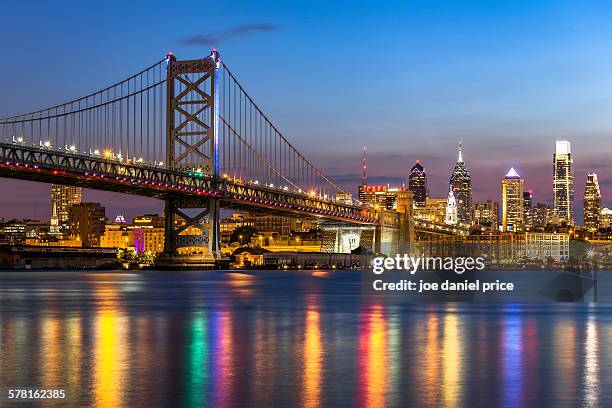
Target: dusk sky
x=408, y=79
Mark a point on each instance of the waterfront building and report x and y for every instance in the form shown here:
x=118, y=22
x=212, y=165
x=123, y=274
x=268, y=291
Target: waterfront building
x=592, y=202
x=563, y=182
x=512, y=202
x=148, y=221
x=151, y=239
x=417, y=183
x=18, y=231
x=117, y=235
x=461, y=185
x=87, y=223
x=486, y=214
x=62, y=197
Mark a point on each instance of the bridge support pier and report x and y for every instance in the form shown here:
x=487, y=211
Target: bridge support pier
x=194, y=225
x=192, y=145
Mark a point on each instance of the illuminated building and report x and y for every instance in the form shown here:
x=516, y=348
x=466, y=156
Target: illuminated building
x=528, y=208
x=373, y=195
x=344, y=197
x=87, y=222
x=117, y=236
x=62, y=197
x=542, y=214
x=417, y=183
x=486, y=214
x=18, y=231
x=512, y=202
x=592, y=202
x=563, y=182
x=451, y=209
x=149, y=239
x=461, y=185
x=605, y=220
x=435, y=210
x=148, y=220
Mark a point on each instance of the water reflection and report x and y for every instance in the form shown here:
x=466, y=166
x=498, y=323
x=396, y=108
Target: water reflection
x=222, y=358
x=293, y=340
x=313, y=354
x=451, y=362
x=196, y=361
x=372, y=357
x=110, y=350
x=591, y=363
x=512, y=357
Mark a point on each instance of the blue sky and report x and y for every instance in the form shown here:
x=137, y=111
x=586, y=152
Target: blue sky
x=409, y=79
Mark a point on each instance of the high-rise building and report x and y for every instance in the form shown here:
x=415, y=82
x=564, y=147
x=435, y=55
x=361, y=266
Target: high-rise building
x=451, y=209
x=486, y=214
x=528, y=208
x=417, y=183
x=563, y=182
x=373, y=195
x=87, y=222
x=592, y=202
x=541, y=215
x=461, y=186
x=62, y=197
x=605, y=220
x=513, y=217
x=434, y=210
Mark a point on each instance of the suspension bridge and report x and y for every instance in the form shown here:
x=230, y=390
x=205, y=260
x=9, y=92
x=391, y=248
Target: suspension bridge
x=188, y=133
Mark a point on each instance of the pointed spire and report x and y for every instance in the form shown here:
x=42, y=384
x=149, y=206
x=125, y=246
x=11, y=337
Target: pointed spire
x=512, y=173
x=364, y=179
x=460, y=158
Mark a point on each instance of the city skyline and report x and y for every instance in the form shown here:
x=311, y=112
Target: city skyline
x=512, y=80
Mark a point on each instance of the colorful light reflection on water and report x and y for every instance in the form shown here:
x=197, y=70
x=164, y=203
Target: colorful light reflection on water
x=291, y=339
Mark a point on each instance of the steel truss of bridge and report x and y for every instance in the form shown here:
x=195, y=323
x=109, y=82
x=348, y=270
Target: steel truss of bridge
x=51, y=166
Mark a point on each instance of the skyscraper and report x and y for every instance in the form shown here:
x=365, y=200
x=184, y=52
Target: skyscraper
x=417, y=183
x=461, y=186
x=592, y=202
x=563, y=182
x=486, y=214
x=528, y=208
x=62, y=198
x=513, y=217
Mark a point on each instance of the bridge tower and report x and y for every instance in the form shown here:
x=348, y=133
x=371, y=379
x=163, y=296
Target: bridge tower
x=192, y=144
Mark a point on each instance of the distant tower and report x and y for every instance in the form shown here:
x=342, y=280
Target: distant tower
x=417, y=183
x=563, y=182
x=62, y=198
x=461, y=185
x=528, y=208
x=513, y=216
x=363, y=193
x=451, y=209
x=364, y=178
x=592, y=202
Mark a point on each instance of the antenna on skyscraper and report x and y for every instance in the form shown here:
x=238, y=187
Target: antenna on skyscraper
x=364, y=178
x=460, y=158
